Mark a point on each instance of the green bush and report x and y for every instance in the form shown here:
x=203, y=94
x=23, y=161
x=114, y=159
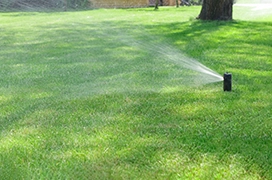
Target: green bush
x=51, y=4
x=196, y=2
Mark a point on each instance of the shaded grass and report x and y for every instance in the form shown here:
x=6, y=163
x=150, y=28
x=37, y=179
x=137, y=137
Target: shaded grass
x=77, y=104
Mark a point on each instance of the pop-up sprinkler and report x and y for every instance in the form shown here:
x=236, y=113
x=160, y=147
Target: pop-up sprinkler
x=227, y=81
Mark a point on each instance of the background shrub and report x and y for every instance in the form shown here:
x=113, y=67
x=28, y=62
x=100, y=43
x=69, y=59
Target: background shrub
x=42, y=4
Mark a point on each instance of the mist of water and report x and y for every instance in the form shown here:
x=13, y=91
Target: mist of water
x=170, y=54
x=142, y=62
x=158, y=66
x=174, y=55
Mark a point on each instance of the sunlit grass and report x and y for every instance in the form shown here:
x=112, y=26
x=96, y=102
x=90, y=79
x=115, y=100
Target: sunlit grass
x=76, y=103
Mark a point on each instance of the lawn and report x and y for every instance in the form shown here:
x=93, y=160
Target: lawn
x=92, y=95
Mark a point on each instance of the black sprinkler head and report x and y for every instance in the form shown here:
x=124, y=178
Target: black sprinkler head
x=227, y=81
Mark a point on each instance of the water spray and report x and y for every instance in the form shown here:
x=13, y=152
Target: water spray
x=227, y=81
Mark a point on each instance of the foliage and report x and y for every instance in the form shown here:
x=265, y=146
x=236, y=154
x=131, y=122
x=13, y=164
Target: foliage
x=196, y=2
x=191, y=2
x=29, y=4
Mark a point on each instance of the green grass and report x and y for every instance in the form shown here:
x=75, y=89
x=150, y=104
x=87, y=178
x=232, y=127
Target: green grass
x=76, y=103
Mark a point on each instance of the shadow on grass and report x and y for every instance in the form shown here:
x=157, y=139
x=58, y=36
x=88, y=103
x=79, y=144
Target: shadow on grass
x=227, y=39
x=92, y=114
x=143, y=134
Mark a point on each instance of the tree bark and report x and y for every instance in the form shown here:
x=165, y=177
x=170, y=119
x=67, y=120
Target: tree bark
x=216, y=10
x=157, y=4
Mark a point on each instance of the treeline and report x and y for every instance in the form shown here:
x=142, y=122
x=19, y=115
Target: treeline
x=41, y=4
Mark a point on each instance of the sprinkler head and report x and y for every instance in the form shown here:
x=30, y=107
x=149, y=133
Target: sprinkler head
x=227, y=81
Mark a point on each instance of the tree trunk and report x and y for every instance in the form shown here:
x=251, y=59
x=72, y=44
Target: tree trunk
x=216, y=10
x=157, y=4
